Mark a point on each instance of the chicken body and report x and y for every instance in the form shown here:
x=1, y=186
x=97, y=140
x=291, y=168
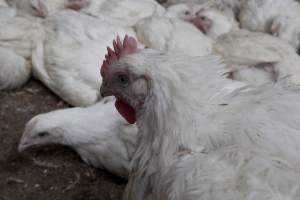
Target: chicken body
x=255, y=62
x=97, y=133
x=127, y=12
x=202, y=136
x=19, y=36
x=171, y=34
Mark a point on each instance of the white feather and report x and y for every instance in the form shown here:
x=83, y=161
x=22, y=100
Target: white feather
x=127, y=12
x=69, y=61
x=189, y=111
x=15, y=71
x=171, y=34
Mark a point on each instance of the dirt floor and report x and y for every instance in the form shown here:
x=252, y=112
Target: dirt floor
x=47, y=173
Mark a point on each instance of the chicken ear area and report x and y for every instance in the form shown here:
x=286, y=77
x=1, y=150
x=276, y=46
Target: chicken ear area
x=126, y=111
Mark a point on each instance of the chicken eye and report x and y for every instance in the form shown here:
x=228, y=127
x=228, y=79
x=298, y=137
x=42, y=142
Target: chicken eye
x=186, y=13
x=34, y=8
x=203, y=18
x=123, y=80
x=43, y=134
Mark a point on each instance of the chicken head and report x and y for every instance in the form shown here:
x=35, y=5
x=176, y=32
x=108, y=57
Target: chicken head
x=119, y=80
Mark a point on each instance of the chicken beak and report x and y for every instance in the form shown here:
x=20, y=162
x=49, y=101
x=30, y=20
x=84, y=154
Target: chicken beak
x=104, y=91
x=23, y=145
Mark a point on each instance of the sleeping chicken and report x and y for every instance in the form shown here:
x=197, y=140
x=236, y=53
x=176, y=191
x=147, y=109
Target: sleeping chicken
x=99, y=135
x=200, y=135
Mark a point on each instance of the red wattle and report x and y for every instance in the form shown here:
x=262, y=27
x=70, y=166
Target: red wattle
x=126, y=111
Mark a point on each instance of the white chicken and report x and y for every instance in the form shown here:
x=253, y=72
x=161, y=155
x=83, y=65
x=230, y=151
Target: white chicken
x=172, y=34
x=273, y=16
x=214, y=23
x=255, y=62
x=209, y=19
x=97, y=133
x=19, y=36
x=196, y=139
x=128, y=12
x=68, y=61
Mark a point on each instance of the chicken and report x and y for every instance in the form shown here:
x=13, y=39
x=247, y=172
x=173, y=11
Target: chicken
x=38, y=8
x=255, y=62
x=214, y=23
x=171, y=34
x=68, y=61
x=273, y=16
x=127, y=12
x=97, y=133
x=18, y=39
x=200, y=135
x=209, y=19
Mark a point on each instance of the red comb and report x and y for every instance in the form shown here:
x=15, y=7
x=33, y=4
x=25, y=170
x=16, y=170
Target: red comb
x=128, y=46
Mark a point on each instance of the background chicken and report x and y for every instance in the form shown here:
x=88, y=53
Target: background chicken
x=171, y=34
x=208, y=18
x=68, y=61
